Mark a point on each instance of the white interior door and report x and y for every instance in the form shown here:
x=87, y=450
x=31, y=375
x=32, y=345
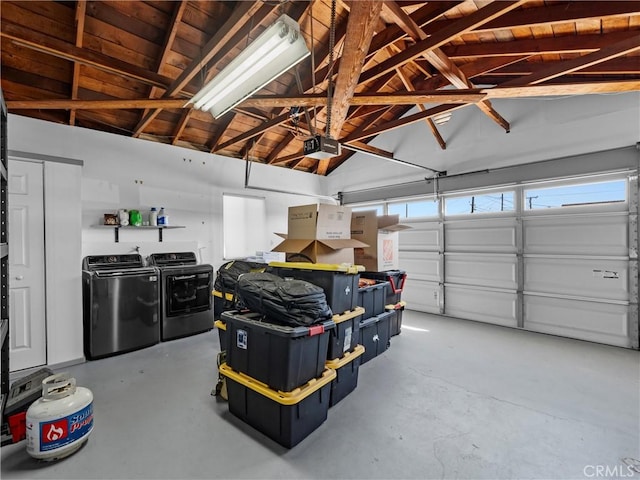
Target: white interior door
x=26, y=266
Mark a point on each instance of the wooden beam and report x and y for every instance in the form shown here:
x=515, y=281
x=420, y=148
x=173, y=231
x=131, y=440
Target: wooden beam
x=442, y=63
x=96, y=104
x=423, y=16
x=274, y=122
x=287, y=159
x=434, y=130
x=558, y=69
x=578, y=88
x=81, y=10
x=563, y=12
x=52, y=46
x=363, y=18
x=401, y=122
x=170, y=36
x=440, y=37
x=241, y=14
x=393, y=98
x=579, y=44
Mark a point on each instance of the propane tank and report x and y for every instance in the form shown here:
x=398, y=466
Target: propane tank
x=59, y=422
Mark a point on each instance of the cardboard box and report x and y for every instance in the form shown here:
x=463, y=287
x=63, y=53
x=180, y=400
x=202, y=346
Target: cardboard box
x=380, y=233
x=319, y=234
x=319, y=222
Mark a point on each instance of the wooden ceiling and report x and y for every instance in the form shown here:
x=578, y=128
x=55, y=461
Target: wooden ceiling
x=130, y=67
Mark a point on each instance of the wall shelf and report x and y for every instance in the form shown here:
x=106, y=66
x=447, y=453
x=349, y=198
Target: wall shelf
x=116, y=229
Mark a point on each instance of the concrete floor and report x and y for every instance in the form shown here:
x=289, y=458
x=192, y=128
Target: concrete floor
x=449, y=399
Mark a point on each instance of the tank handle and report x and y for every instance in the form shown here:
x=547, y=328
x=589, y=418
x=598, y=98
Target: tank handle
x=57, y=386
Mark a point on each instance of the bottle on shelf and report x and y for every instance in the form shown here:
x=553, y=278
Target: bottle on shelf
x=153, y=217
x=163, y=218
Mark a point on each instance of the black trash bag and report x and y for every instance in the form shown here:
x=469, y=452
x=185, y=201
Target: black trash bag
x=227, y=277
x=284, y=301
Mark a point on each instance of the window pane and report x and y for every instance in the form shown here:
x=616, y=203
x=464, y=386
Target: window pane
x=576, y=195
x=418, y=208
x=485, y=203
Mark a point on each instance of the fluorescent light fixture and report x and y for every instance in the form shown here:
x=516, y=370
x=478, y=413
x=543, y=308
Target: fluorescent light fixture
x=275, y=51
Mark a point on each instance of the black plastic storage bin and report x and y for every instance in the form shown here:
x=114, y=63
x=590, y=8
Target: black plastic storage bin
x=280, y=356
x=346, y=379
x=373, y=298
x=339, y=282
x=396, y=319
x=396, y=279
x=374, y=335
x=346, y=335
x=286, y=417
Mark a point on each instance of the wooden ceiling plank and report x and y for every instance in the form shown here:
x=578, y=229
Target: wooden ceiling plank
x=442, y=63
x=241, y=14
x=81, y=10
x=440, y=37
x=558, y=69
x=60, y=49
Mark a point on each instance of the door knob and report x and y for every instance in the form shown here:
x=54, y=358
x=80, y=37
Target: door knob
x=19, y=277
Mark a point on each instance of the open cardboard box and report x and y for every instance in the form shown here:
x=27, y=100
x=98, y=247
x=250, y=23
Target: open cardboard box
x=380, y=233
x=319, y=234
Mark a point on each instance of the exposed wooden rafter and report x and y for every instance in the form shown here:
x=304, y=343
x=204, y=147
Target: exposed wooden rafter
x=81, y=10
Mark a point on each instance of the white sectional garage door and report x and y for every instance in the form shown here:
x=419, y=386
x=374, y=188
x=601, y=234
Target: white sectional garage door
x=577, y=276
x=570, y=272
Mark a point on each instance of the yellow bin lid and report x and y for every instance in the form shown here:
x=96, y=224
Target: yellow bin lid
x=327, y=267
x=228, y=296
x=346, y=358
x=219, y=324
x=357, y=311
x=284, y=398
x=396, y=306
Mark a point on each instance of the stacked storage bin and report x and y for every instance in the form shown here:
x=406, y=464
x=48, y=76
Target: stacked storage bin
x=276, y=378
x=374, y=325
x=341, y=287
x=393, y=301
x=344, y=353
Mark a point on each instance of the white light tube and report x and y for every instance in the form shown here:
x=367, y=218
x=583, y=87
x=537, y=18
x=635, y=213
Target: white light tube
x=273, y=52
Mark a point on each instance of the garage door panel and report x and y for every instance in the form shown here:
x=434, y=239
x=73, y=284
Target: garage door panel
x=421, y=265
x=497, y=271
x=421, y=296
x=578, y=235
x=421, y=237
x=490, y=235
x=592, y=321
x=600, y=279
x=483, y=305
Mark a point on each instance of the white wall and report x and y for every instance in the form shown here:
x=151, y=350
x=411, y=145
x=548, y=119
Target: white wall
x=541, y=129
x=123, y=172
